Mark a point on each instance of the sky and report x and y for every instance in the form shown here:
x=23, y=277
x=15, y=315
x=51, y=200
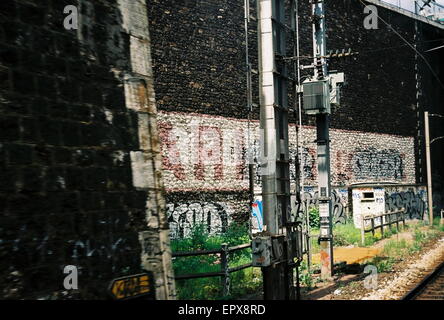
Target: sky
x=408, y=4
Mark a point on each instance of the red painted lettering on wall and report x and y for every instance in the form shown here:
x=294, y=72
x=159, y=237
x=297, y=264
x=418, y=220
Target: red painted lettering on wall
x=171, y=159
x=210, y=153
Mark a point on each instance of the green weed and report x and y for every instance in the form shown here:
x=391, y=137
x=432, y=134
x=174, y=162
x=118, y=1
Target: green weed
x=243, y=282
x=305, y=277
x=384, y=264
x=313, y=213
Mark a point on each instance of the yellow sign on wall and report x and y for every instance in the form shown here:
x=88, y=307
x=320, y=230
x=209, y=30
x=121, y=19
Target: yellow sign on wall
x=131, y=287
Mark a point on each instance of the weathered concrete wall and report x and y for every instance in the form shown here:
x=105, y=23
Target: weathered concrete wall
x=80, y=169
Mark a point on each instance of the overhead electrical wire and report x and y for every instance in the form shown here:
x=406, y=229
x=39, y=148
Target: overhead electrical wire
x=440, y=47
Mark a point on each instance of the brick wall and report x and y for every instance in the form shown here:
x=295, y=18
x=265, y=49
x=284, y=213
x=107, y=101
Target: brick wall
x=78, y=136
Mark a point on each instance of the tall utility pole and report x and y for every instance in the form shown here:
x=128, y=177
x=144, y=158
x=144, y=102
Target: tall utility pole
x=323, y=142
x=429, y=166
x=429, y=162
x=274, y=250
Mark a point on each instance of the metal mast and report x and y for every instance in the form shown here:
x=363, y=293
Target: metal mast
x=323, y=142
x=300, y=170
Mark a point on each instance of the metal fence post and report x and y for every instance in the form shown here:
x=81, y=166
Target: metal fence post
x=403, y=218
x=362, y=230
x=224, y=269
x=382, y=226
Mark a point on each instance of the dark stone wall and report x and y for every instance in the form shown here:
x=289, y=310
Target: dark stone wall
x=66, y=192
x=199, y=56
x=199, y=62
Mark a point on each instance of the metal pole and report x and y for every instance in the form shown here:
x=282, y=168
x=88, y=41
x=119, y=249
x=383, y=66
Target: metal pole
x=429, y=167
x=299, y=133
x=363, y=231
x=247, y=58
x=267, y=83
x=250, y=155
x=224, y=269
x=323, y=142
x=319, y=40
x=298, y=286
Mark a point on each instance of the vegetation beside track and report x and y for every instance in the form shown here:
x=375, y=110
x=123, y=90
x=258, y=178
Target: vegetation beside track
x=244, y=282
x=397, y=253
x=397, y=250
x=394, y=250
x=249, y=281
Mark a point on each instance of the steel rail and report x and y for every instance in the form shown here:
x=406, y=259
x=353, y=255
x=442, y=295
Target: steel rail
x=416, y=291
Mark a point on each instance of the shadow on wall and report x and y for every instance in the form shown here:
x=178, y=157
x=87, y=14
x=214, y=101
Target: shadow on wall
x=70, y=197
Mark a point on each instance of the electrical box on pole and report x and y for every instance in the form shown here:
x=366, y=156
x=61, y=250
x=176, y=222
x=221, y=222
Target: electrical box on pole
x=319, y=95
x=316, y=96
x=319, y=92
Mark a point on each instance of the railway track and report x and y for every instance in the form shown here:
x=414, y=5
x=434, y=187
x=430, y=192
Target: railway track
x=430, y=288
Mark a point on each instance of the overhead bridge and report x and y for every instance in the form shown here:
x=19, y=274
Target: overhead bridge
x=433, y=21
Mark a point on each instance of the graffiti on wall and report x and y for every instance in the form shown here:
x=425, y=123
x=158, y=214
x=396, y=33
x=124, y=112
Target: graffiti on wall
x=106, y=248
x=202, y=152
x=308, y=162
x=413, y=201
x=183, y=216
x=339, y=203
x=197, y=155
x=257, y=224
x=376, y=164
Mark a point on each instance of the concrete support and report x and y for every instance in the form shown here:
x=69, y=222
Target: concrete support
x=275, y=165
x=146, y=161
